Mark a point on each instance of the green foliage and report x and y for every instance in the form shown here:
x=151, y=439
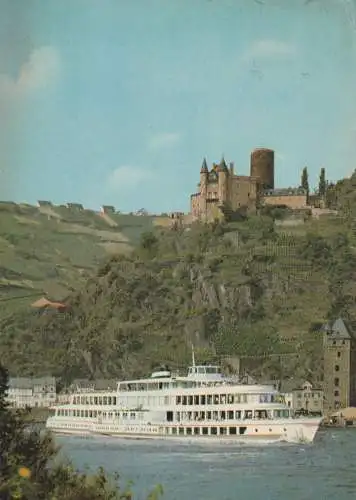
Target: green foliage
x=30, y=469
x=322, y=183
x=304, y=182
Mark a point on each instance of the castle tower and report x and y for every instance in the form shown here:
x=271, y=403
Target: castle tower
x=262, y=166
x=339, y=365
x=223, y=188
x=204, y=173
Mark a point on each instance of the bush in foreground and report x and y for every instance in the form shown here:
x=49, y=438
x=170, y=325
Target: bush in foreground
x=30, y=469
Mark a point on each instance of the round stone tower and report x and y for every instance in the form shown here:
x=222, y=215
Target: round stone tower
x=262, y=166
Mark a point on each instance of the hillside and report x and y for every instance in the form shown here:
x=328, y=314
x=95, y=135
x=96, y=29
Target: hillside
x=50, y=250
x=247, y=289
x=258, y=288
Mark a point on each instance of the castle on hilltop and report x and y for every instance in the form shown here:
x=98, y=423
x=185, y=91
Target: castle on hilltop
x=221, y=191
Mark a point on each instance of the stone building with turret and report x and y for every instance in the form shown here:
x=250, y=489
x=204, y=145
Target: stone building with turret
x=222, y=191
x=339, y=349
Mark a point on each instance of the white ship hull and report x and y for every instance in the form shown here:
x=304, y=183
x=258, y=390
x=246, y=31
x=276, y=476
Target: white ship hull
x=298, y=431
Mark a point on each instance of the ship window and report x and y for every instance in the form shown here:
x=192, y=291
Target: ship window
x=86, y=413
x=237, y=398
x=216, y=399
x=338, y=354
x=209, y=399
x=205, y=431
x=178, y=400
x=196, y=400
x=248, y=414
x=196, y=430
x=336, y=393
x=213, y=431
x=201, y=370
x=95, y=400
x=238, y=415
x=222, y=399
x=181, y=430
x=174, y=430
x=202, y=400
x=105, y=400
x=223, y=430
x=261, y=414
x=337, y=368
x=232, y=431
x=184, y=400
x=230, y=415
x=189, y=430
x=100, y=400
x=114, y=400
x=336, y=382
x=169, y=416
x=222, y=415
x=230, y=399
x=208, y=415
x=242, y=430
x=190, y=399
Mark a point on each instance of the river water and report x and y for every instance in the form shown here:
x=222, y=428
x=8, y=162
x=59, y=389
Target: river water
x=324, y=470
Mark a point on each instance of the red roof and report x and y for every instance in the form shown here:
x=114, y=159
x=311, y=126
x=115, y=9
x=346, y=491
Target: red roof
x=43, y=302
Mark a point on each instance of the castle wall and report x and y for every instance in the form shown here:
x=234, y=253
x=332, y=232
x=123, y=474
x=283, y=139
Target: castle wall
x=195, y=205
x=212, y=191
x=244, y=192
x=291, y=201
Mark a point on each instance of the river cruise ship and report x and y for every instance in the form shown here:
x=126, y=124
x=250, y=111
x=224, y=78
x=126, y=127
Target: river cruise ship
x=203, y=406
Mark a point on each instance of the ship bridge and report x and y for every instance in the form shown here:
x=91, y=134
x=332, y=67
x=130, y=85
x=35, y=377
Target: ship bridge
x=205, y=372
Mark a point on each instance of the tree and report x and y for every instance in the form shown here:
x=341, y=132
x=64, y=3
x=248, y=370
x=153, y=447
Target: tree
x=28, y=471
x=305, y=180
x=149, y=241
x=322, y=183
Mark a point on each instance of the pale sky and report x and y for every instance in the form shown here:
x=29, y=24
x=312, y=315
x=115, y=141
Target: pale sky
x=118, y=101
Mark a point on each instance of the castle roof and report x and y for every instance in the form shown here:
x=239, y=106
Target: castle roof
x=204, y=167
x=222, y=165
x=338, y=329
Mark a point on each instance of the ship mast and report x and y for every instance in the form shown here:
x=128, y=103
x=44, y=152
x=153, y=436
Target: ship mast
x=193, y=356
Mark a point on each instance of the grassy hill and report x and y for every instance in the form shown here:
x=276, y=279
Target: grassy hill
x=51, y=250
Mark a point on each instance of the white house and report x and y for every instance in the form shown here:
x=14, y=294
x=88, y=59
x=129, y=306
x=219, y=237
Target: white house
x=32, y=392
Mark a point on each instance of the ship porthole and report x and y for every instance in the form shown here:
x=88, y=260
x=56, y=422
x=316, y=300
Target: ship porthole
x=256, y=430
x=285, y=430
x=270, y=430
